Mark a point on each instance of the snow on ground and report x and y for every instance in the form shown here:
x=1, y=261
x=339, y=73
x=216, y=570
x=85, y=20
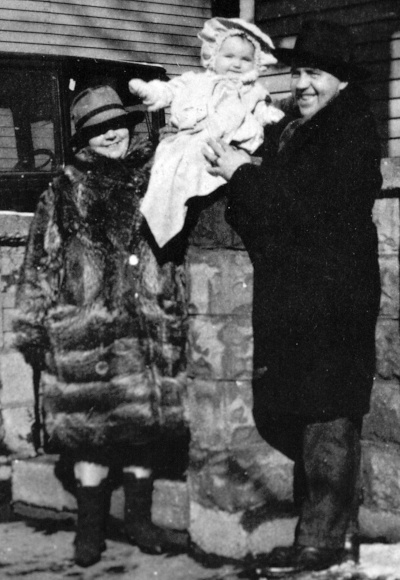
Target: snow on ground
x=380, y=560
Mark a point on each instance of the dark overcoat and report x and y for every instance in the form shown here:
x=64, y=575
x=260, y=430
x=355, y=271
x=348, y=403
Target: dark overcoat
x=305, y=217
x=100, y=313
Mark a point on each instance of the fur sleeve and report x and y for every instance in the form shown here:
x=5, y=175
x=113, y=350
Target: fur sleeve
x=38, y=280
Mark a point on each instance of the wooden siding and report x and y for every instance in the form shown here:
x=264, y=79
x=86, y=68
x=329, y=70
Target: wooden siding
x=163, y=32
x=376, y=28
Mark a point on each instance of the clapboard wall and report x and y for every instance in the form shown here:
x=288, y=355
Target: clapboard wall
x=376, y=28
x=162, y=32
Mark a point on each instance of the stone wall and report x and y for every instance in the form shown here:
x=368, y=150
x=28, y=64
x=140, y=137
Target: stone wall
x=239, y=489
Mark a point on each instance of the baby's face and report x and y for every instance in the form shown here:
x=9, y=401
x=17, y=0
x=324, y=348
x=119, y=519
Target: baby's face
x=235, y=57
x=113, y=144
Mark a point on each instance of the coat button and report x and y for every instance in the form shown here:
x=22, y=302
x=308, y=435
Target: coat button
x=133, y=260
x=101, y=368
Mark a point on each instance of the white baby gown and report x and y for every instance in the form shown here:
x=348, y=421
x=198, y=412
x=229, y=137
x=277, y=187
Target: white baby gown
x=203, y=105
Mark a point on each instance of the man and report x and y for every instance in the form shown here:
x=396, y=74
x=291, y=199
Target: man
x=305, y=218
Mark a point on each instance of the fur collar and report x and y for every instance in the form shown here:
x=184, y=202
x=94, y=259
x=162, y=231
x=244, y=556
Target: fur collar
x=100, y=197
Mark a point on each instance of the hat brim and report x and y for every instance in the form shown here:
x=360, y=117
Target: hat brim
x=126, y=120
x=342, y=70
x=237, y=26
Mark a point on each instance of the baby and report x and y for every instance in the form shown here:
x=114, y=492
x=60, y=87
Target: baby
x=224, y=102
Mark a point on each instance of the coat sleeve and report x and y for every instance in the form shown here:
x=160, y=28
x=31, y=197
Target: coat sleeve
x=38, y=281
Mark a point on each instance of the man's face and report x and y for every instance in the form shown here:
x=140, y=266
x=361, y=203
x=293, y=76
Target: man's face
x=235, y=57
x=113, y=144
x=313, y=89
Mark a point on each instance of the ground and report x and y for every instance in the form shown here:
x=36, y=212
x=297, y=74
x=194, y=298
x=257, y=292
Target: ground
x=32, y=550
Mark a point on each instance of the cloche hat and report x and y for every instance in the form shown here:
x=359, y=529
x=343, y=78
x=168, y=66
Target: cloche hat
x=324, y=45
x=96, y=110
x=218, y=29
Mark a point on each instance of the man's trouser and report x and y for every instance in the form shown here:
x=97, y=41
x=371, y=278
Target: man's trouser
x=326, y=457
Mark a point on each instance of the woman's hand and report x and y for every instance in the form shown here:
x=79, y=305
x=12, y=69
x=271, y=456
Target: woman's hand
x=224, y=160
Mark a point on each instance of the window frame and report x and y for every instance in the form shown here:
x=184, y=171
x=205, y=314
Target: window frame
x=16, y=186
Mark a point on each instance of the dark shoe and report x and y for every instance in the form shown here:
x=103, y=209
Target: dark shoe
x=140, y=529
x=284, y=561
x=89, y=541
x=315, y=559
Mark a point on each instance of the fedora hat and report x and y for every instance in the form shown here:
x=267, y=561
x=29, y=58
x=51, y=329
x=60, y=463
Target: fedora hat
x=95, y=111
x=324, y=45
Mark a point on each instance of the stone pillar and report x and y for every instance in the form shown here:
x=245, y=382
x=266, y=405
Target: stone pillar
x=236, y=481
x=16, y=387
x=380, y=514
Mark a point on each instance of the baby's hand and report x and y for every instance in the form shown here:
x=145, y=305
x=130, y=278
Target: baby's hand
x=151, y=93
x=139, y=88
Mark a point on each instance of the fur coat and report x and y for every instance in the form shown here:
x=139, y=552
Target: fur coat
x=100, y=313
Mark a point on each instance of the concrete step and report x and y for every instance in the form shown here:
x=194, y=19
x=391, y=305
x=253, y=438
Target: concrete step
x=37, y=492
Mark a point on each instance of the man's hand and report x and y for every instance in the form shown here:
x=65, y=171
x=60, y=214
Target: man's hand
x=224, y=160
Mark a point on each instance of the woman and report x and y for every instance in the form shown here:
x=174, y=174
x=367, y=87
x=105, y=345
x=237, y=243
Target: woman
x=102, y=317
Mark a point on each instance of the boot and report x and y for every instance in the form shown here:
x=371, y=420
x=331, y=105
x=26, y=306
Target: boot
x=139, y=528
x=89, y=541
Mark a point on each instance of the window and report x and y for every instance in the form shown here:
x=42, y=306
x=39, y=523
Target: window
x=35, y=96
x=28, y=121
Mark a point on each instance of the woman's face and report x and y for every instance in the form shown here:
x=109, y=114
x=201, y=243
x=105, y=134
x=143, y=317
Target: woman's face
x=113, y=144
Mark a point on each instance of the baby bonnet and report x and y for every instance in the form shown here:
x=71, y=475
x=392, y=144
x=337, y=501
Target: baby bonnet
x=218, y=29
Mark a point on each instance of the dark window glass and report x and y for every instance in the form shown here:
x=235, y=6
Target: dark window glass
x=29, y=121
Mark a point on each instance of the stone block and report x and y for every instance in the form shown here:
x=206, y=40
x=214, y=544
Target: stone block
x=386, y=218
x=11, y=259
x=387, y=349
x=238, y=402
x=220, y=347
x=221, y=483
x=383, y=420
x=8, y=296
x=17, y=424
x=278, y=531
x=381, y=476
x=237, y=479
x=379, y=525
x=390, y=169
x=34, y=483
x=170, y=508
x=15, y=380
x=15, y=225
x=223, y=534
x=206, y=414
x=218, y=532
x=220, y=282
x=389, y=268
x=5, y=469
x=8, y=319
x=220, y=413
x=1, y=325
x=269, y=470
x=8, y=340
